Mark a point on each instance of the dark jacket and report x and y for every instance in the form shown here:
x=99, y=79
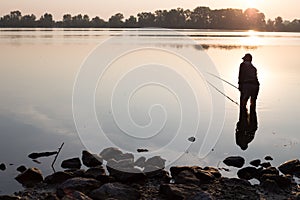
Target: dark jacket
x=247, y=73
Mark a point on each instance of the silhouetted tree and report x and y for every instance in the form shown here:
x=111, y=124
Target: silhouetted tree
x=96, y=22
x=115, y=21
x=255, y=20
x=46, y=21
x=131, y=22
x=279, y=26
x=146, y=19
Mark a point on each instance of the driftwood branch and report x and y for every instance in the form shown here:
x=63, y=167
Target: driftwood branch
x=59, y=149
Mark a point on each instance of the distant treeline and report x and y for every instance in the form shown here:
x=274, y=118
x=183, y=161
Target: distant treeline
x=199, y=18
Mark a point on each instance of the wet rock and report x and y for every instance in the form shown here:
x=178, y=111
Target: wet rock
x=120, y=164
x=94, y=172
x=255, y=162
x=57, y=177
x=9, y=197
x=142, y=150
x=30, y=177
x=175, y=170
x=235, y=161
x=110, y=153
x=91, y=160
x=214, y=171
x=281, y=181
x=186, y=177
x=290, y=167
x=140, y=162
x=72, y=195
x=266, y=164
x=157, y=173
x=76, y=172
x=270, y=186
x=269, y=170
x=2, y=167
x=204, y=176
x=115, y=191
x=247, y=173
x=84, y=185
x=182, y=191
x=156, y=161
x=21, y=168
x=268, y=158
x=131, y=175
x=72, y=163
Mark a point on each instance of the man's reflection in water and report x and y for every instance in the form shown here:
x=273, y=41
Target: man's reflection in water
x=245, y=128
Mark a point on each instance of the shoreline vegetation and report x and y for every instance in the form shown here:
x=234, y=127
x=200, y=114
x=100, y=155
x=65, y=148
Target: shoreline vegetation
x=113, y=174
x=199, y=18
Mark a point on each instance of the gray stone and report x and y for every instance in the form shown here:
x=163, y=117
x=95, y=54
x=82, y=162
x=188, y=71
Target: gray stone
x=115, y=190
x=156, y=161
x=72, y=195
x=30, y=177
x=94, y=172
x=91, y=160
x=57, y=177
x=140, y=162
x=290, y=167
x=21, y=168
x=186, y=177
x=265, y=164
x=182, y=191
x=111, y=153
x=72, y=163
x=235, y=161
x=84, y=185
x=9, y=197
x=247, y=173
x=255, y=162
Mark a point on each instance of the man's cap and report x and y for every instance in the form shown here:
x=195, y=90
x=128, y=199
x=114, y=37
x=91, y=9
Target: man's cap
x=247, y=57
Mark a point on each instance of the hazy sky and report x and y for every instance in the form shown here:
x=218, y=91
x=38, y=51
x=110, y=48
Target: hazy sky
x=288, y=9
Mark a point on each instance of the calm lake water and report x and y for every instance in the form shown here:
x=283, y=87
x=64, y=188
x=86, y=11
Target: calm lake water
x=39, y=69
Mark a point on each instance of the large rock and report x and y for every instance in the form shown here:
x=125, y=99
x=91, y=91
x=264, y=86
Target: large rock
x=120, y=164
x=213, y=171
x=72, y=163
x=281, y=181
x=58, y=177
x=9, y=197
x=132, y=175
x=156, y=161
x=247, y=173
x=140, y=162
x=115, y=191
x=255, y=162
x=235, y=161
x=75, y=195
x=110, y=153
x=95, y=172
x=290, y=167
x=91, y=160
x=157, y=173
x=30, y=177
x=182, y=191
x=84, y=185
x=21, y=168
x=186, y=177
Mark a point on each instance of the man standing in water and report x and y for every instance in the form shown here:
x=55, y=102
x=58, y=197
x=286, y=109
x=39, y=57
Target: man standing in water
x=248, y=84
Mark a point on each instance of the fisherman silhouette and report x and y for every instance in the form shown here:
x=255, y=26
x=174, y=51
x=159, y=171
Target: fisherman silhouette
x=249, y=87
x=245, y=128
x=248, y=83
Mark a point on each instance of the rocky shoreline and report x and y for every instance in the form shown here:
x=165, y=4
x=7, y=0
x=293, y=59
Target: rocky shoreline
x=113, y=174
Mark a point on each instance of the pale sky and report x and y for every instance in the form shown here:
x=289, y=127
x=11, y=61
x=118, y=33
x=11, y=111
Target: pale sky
x=288, y=9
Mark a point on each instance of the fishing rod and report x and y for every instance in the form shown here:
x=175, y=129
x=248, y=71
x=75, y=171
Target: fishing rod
x=222, y=80
x=222, y=93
